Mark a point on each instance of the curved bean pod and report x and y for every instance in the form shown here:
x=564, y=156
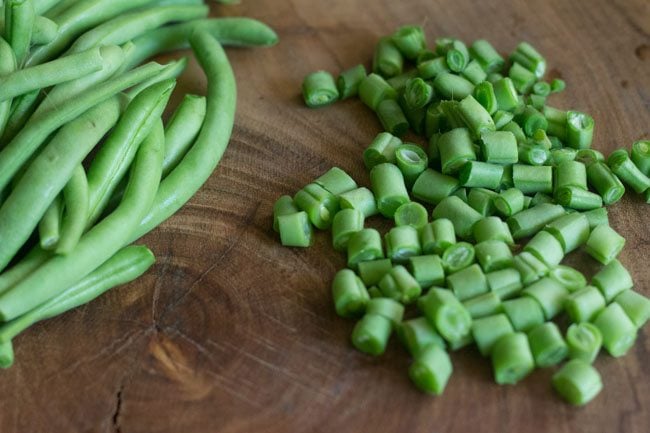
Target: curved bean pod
x=35, y=258
x=202, y=158
x=19, y=24
x=129, y=26
x=6, y=354
x=116, y=154
x=22, y=109
x=99, y=243
x=61, y=6
x=45, y=31
x=39, y=127
x=181, y=131
x=73, y=223
x=172, y=70
x=49, y=74
x=78, y=18
x=7, y=66
x=50, y=225
x=125, y=266
x=113, y=58
x=42, y=6
x=46, y=176
x=228, y=31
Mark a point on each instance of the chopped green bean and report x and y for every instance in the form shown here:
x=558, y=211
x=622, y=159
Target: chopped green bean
x=388, y=186
x=597, y=217
x=492, y=228
x=427, y=270
x=320, y=205
x=489, y=59
x=402, y=242
x=530, y=221
x=388, y=308
x=572, y=230
x=349, y=293
x=619, y=332
x=531, y=179
x=295, y=230
x=459, y=213
x=530, y=267
x=480, y=174
x=641, y=156
x=549, y=294
x=388, y=60
x=571, y=173
x=547, y=345
x=348, y=82
x=604, y=244
x=381, y=150
x=488, y=330
x=361, y=199
x=364, y=245
x=371, y=272
x=502, y=118
x=499, y=147
x=493, y=255
x=570, y=278
x=346, y=222
x=557, y=85
x=528, y=57
x=446, y=314
x=417, y=334
x=512, y=359
x=410, y=41
x=432, y=68
x=622, y=166
x=531, y=120
x=319, y=89
x=450, y=86
x=468, y=282
x=635, y=305
x=336, y=181
x=437, y=236
x=509, y=202
x=412, y=161
x=373, y=89
x=505, y=283
x=579, y=130
x=524, y=313
x=432, y=186
x=371, y=334
x=584, y=341
x=458, y=256
x=412, y=214
x=482, y=200
x=583, y=305
x=546, y=248
x=476, y=75
x=483, y=305
x=612, y=279
x=283, y=206
x=606, y=183
x=417, y=93
x=431, y=370
x=577, y=382
x=506, y=94
x=522, y=78
x=392, y=117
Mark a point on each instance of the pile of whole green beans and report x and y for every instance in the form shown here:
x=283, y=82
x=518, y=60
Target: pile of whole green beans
x=513, y=186
x=87, y=165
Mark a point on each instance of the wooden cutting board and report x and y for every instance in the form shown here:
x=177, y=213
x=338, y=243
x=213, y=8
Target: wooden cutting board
x=230, y=332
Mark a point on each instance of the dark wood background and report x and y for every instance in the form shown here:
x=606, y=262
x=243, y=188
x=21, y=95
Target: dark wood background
x=230, y=332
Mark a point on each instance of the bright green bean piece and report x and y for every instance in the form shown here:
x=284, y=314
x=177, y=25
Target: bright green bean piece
x=570, y=278
x=499, y=147
x=336, y=181
x=371, y=272
x=417, y=93
x=547, y=345
x=483, y=305
x=412, y=214
x=571, y=173
x=388, y=186
x=604, y=244
x=618, y=331
x=505, y=283
x=509, y=202
x=488, y=330
x=410, y=41
x=577, y=382
x=622, y=166
x=371, y=334
x=381, y=150
x=493, y=255
x=45, y=30
x=512, y=359
x=388, y=308
x=450, y=86
x=572, y=230
x=583, y=305
x=6, y=354
x=546, y=248
x=295, y=230
x=484, y=94
x=349, y=293
x=283, y=206
x=320, y=205
x=446, y=314
x=528, y=57
x=475, y=116
x=19, y=23
x=579, y=130
x=641, y=156
x=124, y=266
x=361, y=199
x=468, y=282
x=502, y=118
x=319, y=89
x=549, y=294
x=597, y=217
x=524, y=313
x=489, y=59
x=50, y=225
x=459, y=213
x=363, y=246
x=349, y=80
x=531, y=179
x=612, y=279
x=432, y=186
x=480, y=174
x=427, y=270
x=412, y=161
x=431, y=370
x=606, y=183
x=522, y=78
x=417, y=334
x=345, y=223
x=22, y=109
x=530, y=221
x=400, y=285
x=635, y=305
x=584, y=341
x=530, y=267
x=481, y=200
x=402, y=242
x=374, y=89
x=492, y=228
x=437, y=236
x=577, y=198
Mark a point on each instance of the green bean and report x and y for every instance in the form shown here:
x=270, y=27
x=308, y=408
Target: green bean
x=431, y=369
x=577, y=382
x=78, y=18
x=202, y=158
x=641, y=156
x=432, y=186
x=171, y=70
x=468, y=283
x=127, y=27
x=482, y=200
x=371, y=334
x=388, y=60
x=50, y=225
x=417, y=334
x=45, y=30
x=604, y=244
x=622, y=166
x=402, y=242
x=410, y=40
x=546, y=248
x=437, y=236
x=19, y=24
x=75, y=195
x=295, y=230
x=114, y=157
x=450, y=86
x=619, y=332
x=547, y=345
x=505, y=283
x=388, y=186
x=460, y=213
x=22, y=108
x=427, y=270
x=584, y=304
x=6, y=354
x=570, y=278
x=524, y=313
x=361, y=199
x=550, y=294
x=412, y=161
x=345, y=223
x=584, y=341
x=40, y=127
x=348, y=81
x=512, y=359
x=7, y=66
x=446, y=313
x=349, y=293
x=99, y=243
x=457, y=256
x=371, y=272
x=48, y=174
x=183, y=128
x=530, y=221
x=32, y=260
x=612, y=279
x=236, y=31
x=59, y=7
x=400, y=285
x=635, y=305
x=572, y=230
x=493, y=255
x=319, y=89
x=124, y=266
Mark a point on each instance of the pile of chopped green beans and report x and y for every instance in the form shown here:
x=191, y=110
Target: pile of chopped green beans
x=514, y=186
x=87, y=165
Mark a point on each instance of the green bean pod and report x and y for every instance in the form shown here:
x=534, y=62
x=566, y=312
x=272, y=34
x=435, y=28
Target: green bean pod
x=124, y=266
x=182, y=129
x=7, y=66
x=19, y=25
x=99, y=243
x=50, y=225
x=115, y=156
x=73, y=223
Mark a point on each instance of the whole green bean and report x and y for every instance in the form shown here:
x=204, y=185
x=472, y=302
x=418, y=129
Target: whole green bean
x=46, y=176
x=126, y=265
x=78, y=18
x=126, y=27
x=48, y=74
x=7, y=66
x=73, y=223
x=202, y=158
x=22, y=109
x=115, y=156
x=99, y=243
x=228, y=31
x=30, y=138
x=42, y=6
x=112, y=59
x=35, y=258
x=60, y=7
x=19, y=24
x=182, y=130
x=172, y=70
x=50, y=225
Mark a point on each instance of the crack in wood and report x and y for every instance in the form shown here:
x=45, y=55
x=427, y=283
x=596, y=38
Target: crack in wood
x=116, y=412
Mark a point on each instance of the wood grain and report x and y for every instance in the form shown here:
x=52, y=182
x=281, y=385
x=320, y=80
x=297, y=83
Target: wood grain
x=230, y=332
